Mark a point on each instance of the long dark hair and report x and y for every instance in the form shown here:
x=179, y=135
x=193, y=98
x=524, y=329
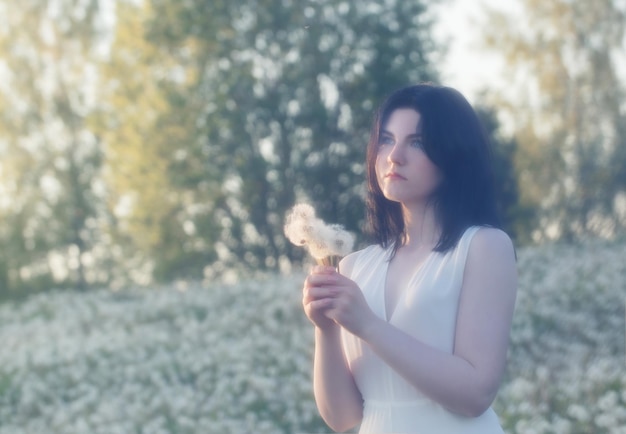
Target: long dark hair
x=454, y=139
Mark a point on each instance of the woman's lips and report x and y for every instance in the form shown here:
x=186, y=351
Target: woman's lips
x=394, y=175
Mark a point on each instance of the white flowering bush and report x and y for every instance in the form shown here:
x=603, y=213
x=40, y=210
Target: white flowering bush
x=238, y=358
x=226, y=359
x=567, y=363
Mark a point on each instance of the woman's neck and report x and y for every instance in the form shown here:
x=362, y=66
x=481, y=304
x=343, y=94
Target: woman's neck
x=421, y=227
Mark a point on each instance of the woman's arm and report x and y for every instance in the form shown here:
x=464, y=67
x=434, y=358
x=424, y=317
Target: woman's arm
x=338, y=399
x=466, y=381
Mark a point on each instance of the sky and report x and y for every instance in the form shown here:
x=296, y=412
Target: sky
x=468, y=67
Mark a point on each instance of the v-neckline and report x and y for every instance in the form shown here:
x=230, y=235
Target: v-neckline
x=422, y=265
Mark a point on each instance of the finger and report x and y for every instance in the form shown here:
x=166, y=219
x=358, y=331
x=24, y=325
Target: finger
x=320, y=304
x=321, y=279
x=322, y=269
x=317, y=292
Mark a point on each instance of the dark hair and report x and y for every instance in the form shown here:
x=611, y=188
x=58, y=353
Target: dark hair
x=455, y=141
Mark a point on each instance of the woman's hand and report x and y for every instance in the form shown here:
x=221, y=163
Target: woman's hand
x=317, y=299
x=337, y=396
x=331, y=298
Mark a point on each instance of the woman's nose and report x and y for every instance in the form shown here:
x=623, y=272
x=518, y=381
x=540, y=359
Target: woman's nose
x=396, y=155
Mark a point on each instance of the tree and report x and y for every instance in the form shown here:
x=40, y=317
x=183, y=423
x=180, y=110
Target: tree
x=50, y=159
x=565, y=102
x=517, y=218
x=144, y=129
x=284, y=94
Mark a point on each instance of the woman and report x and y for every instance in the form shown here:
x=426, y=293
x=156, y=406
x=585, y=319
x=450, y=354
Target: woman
x=412, y=335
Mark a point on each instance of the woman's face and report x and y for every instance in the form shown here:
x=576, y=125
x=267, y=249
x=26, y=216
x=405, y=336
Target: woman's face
x=404, y=173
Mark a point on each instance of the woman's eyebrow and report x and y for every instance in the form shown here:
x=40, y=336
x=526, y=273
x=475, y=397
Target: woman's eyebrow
x=414, y=136
x=417, y=135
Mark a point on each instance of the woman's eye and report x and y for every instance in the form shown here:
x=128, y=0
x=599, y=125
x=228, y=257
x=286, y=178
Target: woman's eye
x=416, y=143
x=385, y=141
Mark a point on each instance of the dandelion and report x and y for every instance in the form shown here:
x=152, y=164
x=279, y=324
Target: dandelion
x=326, y=243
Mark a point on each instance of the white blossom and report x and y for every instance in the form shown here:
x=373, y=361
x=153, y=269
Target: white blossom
x=238, y=358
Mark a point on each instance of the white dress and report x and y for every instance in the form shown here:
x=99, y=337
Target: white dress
x=426, y=310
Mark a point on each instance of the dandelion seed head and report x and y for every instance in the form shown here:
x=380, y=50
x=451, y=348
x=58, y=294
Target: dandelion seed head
x=304, y=210
x=298, y=224
x=318, y=249
x=302, y=228
x=343, y=241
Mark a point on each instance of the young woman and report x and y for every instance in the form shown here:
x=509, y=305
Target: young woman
x=411, y=335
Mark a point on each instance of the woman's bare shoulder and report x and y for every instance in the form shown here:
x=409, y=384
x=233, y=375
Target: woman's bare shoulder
x=491, y=249
x=491, y=241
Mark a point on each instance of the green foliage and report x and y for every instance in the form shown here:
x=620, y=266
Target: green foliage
x=143, y=129
x=518, y=219
x=565, y=101
x=284, y=95
x=50, y=160
x=170, y=144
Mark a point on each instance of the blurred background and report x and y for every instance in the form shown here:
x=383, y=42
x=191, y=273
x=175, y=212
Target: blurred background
x=154, y=147
x=155, y=141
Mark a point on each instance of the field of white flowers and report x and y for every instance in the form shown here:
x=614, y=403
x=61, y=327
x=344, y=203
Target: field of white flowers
x=237, y=358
